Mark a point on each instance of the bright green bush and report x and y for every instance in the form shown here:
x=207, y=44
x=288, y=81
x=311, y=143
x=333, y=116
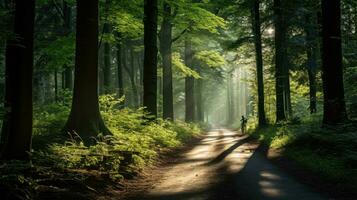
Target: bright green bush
x=135, y=141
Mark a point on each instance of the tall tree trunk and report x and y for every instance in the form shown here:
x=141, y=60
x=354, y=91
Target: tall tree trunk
x=85, y=118
x=229, y=100
x=259, y=61
x=160, y=94
x=68, y=72
x=139, y=78
x=119, y=68
x=287, y=90
x=166, y=53
x=189, y=84
x=133, y=75
x=17, y=124
x=107, y=83
x=311, y=51
x=199, y=98
x=68, y=78
x=279, y=59
x=55, y=77
x=332, y=73
x=2, y=66
x=150, y=56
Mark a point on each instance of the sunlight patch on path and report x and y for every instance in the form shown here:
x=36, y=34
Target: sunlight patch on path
x=197, y=176
x=226, y=166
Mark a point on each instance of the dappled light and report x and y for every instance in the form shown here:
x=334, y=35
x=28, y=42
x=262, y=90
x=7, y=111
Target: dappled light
x=178, y=99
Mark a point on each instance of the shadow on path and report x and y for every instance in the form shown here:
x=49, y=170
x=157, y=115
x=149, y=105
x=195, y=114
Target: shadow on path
x=229, y=168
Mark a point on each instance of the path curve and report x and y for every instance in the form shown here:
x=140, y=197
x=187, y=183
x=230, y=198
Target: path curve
x=226, y=166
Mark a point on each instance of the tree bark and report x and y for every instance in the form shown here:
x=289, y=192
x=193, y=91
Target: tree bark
x=17, y=124
x=259, y=61
x=107, y=83
x=150, y=56
x=279, y=60
x=166, y=53
x=68, y=71
x=199, y=98
x=287, y=90
x=68, y=78
x=85, y=119
x=189, y=84
x=332, y=69
x=133, y=82
x=119, y=68
x=311, y=51
x=56, y=85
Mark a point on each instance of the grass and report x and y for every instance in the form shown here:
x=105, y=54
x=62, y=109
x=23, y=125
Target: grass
x=329, y=152
x=58, y=158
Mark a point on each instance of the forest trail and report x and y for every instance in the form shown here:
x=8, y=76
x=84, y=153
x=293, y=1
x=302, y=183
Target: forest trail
x=225, y=165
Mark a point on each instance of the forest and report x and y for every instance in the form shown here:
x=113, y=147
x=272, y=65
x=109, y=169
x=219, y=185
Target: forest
x=178, y=99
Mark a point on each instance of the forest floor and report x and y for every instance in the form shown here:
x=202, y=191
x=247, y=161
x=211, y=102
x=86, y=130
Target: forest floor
x=224, y=165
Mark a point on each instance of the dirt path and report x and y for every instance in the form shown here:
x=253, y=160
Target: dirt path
x=225, y=165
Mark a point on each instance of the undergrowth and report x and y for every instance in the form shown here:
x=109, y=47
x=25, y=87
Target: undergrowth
x=135, y=143
x=330, y=152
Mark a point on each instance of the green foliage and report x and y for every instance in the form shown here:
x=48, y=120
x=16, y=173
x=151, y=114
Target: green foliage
x=210, y=58
x=351, y=90
x=329, y=152
x=127, y=24
x=59, y=57
x=181, y=69
x=135, y=143
x=194, y=17
x=15, y=182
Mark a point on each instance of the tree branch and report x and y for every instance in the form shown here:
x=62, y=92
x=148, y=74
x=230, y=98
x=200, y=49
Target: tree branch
x=180, y=35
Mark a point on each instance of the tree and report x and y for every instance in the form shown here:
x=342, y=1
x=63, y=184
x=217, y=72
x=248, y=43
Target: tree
x=107, y=83
x=67, y=21
x=279, y=59
x=199, y=97
x=166, y=53
x=259, y=60
x=189, y=84
x=119, y=66
x=85, y=118
x=312, y=53
x=332, y=73
x=150, y=56
x=17, y=125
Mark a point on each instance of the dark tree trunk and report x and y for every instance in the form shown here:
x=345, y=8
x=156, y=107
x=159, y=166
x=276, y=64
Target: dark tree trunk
x=287, y=91
x=189, y=84
x=259, y=61
x=132, y=73
x=150, y=56
x=279, y=60
x=312, y=87
x=107, y=83
x=85, y=118
x=68, y=78
x=119, y=68
x=159, y=91
x=68, y=72
x=139, y=78
x=17, y=125
x=2, y=67
x=199, y=98
x=332, y=72
x=166, y=53
x=311, y=51
x=56, y=85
